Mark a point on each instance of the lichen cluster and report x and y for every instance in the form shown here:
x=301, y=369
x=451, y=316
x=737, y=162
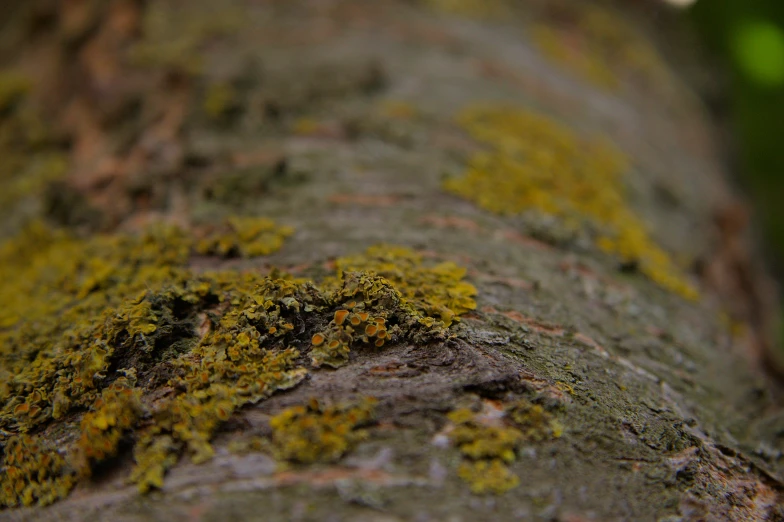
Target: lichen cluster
x=387, y=291
x=594, y=43
x=113, y=338
x=244, y=237
x=533, y=163
x=489, y=443
x=29, y=155
x=436, y=293
x=319, y=433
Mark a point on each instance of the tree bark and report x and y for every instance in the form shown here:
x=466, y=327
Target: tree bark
x=349, y=121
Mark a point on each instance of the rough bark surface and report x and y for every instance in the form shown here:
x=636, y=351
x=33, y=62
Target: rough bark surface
x=338, y=118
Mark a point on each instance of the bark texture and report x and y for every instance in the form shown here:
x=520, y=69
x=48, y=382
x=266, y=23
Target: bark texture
x=342, y=119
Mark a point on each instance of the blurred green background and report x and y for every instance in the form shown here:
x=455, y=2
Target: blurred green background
x=749, y=36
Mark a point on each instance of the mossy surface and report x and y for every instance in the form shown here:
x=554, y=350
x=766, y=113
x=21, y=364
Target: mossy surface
x=534, y=163
x=161, y=356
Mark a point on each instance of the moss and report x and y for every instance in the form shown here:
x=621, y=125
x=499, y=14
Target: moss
x=245, y=237
x=318, y=433
x=594, y=43
x=534, y=163
x=105, y=324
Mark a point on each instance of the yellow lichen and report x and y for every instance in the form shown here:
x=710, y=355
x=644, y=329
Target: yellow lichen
x=34, y=472
x=13, y=87
x=105, y=324
x=488, y=476
x=480, y=441
x=488, y=443
x=318, y=433
x=593, y=42
x=437, y=291
x=534, y=163
x=114, y=413
x=245, y=237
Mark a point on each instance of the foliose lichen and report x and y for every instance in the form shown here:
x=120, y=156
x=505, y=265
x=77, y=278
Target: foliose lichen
x=244, y=237
x=488, y=443
x=114, y=338
x=533, y=163
x=319, y=433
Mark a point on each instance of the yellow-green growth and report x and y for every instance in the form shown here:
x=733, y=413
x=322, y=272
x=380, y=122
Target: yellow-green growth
x=114, y=413
x=437, y=292
x=599, y=46
x=489, y=443
x=385, y=283
x=34, y=472
x=481, y=441
x=534, y=422
x=318, y=433
x=13, y=87
x=104, y=324
x=534, y=163
x=488, y=476
x=245, y=237
x=486, y=450
x=29, y=158
x=219, y=101
x=174, y=39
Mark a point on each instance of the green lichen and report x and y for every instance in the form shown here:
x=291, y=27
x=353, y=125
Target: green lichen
x=113, y=338
x=534, y=163
x=113, y=414
x=488, y=476
x=319, y=433
x=245, y=237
